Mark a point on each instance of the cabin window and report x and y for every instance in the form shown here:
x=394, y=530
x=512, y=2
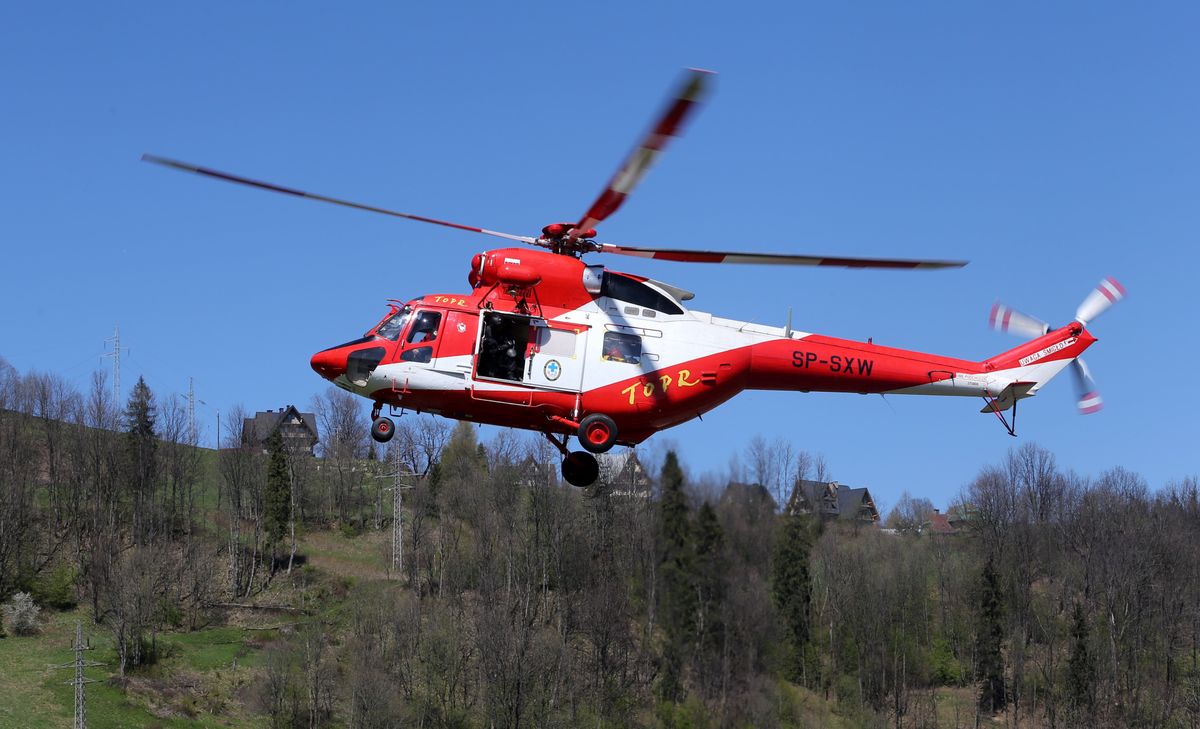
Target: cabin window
x=620, y=347
x=556, y=342
x=624, y=288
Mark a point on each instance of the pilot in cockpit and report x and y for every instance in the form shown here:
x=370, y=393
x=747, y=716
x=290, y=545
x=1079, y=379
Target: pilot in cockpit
x=424, y=327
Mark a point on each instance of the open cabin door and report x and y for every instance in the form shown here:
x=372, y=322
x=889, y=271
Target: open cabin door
x=528, y=350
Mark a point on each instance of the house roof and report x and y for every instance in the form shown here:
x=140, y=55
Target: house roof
x=747, y=494
x=832, y=500
x=939, y=523
x=260, y=427
x=818, y=496
x=851, y=501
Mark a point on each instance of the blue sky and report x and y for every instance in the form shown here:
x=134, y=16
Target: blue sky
x=1050, y=144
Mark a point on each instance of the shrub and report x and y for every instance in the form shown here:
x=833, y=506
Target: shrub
x=56, y=588
x=21, y=614
x=944, y=669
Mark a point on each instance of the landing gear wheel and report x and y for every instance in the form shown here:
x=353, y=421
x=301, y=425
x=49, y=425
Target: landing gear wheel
x=382, y=429
x=580, y=469
x=597, y=433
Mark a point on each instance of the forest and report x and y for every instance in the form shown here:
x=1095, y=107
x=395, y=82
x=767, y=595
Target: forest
x=1058, y=599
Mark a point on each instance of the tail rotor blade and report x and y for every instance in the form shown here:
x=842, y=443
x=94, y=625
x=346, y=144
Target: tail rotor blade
x=1006, y=319
x=1089, y=397
x=1107, y=293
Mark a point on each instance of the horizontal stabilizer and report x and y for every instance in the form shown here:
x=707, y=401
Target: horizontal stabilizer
x=1008, y=396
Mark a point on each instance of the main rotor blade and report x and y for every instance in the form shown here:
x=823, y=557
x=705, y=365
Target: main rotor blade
x=216, y=174
x=1007, y=319
x=669, y=125
x=670, y=254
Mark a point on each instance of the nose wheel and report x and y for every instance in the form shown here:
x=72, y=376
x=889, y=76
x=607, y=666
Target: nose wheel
x=382, y=429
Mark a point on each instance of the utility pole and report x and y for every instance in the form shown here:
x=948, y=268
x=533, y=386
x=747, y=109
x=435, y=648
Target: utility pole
x=397, y=521
x=397, y=488
x=191, y=411
x=79, y=681
x=116, y=358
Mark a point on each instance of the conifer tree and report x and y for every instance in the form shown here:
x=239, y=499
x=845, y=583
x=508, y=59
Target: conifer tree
x=990, y=666
x=1081, y=671
x=141, y=453
x=278, y=497
x=791, y=586
x=678, y=595
x=710, y=593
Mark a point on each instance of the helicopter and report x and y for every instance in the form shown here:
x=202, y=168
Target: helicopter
x=547, y=342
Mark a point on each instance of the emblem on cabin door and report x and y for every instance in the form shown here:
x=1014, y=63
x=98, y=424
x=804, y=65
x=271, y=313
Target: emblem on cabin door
x=553, y=369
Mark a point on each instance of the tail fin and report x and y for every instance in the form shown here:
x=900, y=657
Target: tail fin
x=1040, y=360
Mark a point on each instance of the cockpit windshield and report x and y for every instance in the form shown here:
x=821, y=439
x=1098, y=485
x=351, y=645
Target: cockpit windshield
x=391, y=327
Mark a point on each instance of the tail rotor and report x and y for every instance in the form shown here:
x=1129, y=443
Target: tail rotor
x=1108, y=292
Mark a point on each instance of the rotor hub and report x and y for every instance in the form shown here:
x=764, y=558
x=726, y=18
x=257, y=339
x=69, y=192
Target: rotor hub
x=567, y=240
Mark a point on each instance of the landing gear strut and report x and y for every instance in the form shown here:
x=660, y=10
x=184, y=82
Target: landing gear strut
x=579, y=468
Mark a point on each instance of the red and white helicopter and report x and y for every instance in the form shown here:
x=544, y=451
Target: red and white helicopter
x=546, y=342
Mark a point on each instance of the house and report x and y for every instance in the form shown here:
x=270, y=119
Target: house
x=831, y=500
x=536, y=474
x=299, y=430
x=938, y=524
x=622, y=474
x=748, y=497
x=955, y=521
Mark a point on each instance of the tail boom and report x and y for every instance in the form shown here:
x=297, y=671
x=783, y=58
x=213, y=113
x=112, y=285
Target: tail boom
x=816, y=363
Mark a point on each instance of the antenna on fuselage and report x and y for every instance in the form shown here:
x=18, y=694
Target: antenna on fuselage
x=787, y=328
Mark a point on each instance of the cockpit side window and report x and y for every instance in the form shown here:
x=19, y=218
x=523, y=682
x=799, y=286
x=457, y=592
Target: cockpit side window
x=424, y=327
x=391, y=327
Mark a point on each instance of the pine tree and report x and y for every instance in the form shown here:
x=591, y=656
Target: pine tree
x=990, y=666
x=141, y=453
x=791, y=586
x=278, y=497
x=678, y=595
x=710, y=594
x=1081, y=671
